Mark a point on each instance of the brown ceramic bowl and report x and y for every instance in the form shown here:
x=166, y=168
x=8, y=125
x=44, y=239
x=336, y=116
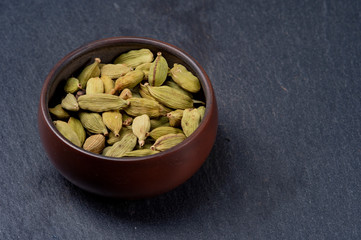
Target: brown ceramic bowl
x=135, y=177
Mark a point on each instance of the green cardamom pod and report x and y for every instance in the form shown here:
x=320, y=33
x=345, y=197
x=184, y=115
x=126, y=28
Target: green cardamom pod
x=184, y=78
x=190, y=121
x=94, y=143
x=175, y=118
x=67, y=132
x=126, y=94
x=140, y=106
x=126, y=144
x=161, y=131
x=127, y=120
x=70, y=103
x=141, y=127
x=145, y=69
x=168, y=141
x=105, y=150
x=135, y=58
x=159, y=122
x=113, y=121
x=113, y=139
x=170, y=97
x=174, y=85
x=94, y=86
x=140, y=153
x=102, y=102
x=129, y=80
x=108, y=84
x=72, y=85
x=143, y=91
x=114, y=70
x=158, y=71
x=78, y=128
x=88, y=72
x=93, y=122
x=59, y=112
x=201, y=111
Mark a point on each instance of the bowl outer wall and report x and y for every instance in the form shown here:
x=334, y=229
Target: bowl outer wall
x=130, y=177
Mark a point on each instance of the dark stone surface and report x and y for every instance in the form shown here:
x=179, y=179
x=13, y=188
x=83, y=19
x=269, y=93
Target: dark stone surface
x=286, y=163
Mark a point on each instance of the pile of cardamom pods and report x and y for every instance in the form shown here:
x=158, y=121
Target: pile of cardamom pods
x=135, y=107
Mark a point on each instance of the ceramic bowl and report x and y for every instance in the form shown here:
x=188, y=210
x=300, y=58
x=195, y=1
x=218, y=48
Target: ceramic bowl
x=135, y=177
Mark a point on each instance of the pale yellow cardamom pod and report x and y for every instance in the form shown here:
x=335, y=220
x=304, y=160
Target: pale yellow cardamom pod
x=161, y=131
x=175, y=118
x=135, y=58
x=70, y=103
x=94, y=86
x=102, y=102
x=158, y=71
x=59, y=112
x=168, y=141
x=94, y=143
x=140, y=106
x=114, y=70
x=72, y=85
x=170, y=97
x=126, y=94
x=67, y=132
x=88, y=72
x=78, y=128
x=190, y=121
x=140, y=153
x=184, y=78
x=113, y=121
x=126, y=144
x=141, y=127
x=93, y=122
x=108, y=84
x=129, y=80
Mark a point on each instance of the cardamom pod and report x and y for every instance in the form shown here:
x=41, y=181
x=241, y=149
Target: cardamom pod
x=143, y=91
x=67, y=132
x=94, y=143
x=174, y=85
x=140, y=153
x=140, y=106
x=129, y=80
x=190, y=121
x=170, y=97
x=114, y=70
x=113, y=121
x=161, y=131
x=59, y=112
x=175, y=118
x=134, y=58
x=70, y=103
x=184, y=78
x=126, y=144
x=78, y=128
x=168, y=141
x=101, y=102
x=145, y=69
x=108, y=83
x=105, y=150
x=94, y=86
x=113, y=139
x=159, y=122
x=148, y=143
x=126, y=94
x=127, y=120
x=71, y=85
x=158, y=71
x=93, y=122
x=88, y=72
x=201, y=111
x=141, y=127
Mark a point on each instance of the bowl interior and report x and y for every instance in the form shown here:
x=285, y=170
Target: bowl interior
x=107, y=50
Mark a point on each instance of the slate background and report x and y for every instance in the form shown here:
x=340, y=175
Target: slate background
x=286, y=163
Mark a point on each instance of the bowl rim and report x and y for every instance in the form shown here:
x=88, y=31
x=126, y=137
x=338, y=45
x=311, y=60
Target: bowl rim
x=203, y=77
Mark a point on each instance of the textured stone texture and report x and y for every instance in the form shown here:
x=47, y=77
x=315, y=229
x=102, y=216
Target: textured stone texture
x=286, y=163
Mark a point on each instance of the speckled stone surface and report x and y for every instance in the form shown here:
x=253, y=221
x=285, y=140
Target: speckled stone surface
x=286, y=163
